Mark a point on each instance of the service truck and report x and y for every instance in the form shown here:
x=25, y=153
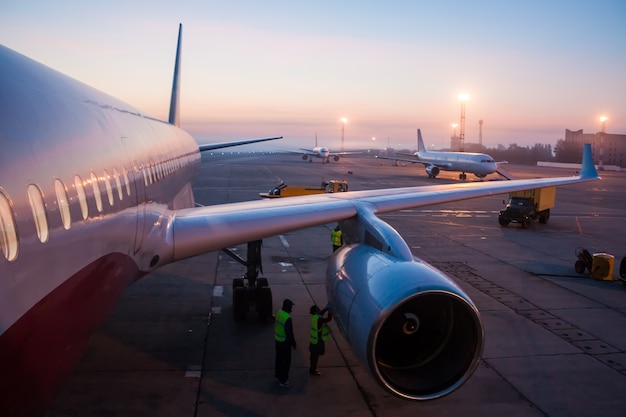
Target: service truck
x=528, y=205
x=284, y=190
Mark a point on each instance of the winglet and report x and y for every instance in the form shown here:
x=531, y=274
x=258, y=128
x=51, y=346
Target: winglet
x=174, y=118
x=588, y=168
x=420, y=142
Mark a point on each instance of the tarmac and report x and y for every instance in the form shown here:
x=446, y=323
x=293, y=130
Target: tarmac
x=555, y=339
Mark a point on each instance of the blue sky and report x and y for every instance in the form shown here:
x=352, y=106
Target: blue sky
x=255, y=69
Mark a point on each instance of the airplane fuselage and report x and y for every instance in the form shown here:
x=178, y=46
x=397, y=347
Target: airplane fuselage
x=478, y=164
x=75, y=162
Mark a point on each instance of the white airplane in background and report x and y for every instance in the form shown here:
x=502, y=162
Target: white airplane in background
x=479, y=164
x=322, y=152
x=94, y=195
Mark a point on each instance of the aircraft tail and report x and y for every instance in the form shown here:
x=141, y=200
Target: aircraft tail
x=174, y=118
x=588, y=168
x=420, y=142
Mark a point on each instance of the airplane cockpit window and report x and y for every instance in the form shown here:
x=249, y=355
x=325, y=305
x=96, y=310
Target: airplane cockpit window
x=109, y=188
x=64, y=205
x=82, y=196
x=96, y=192
x=8, y=231
x=39, y=212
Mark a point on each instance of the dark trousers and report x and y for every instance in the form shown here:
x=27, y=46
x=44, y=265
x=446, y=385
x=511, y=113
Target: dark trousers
x=283, y=361
x=316, y=351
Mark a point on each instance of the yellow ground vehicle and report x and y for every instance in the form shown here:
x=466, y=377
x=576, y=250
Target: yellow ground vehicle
x=528, y=205
x=284, y=190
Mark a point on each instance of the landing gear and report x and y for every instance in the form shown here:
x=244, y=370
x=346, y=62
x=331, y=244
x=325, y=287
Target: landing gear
x=462, y=176
x=248, y=293
x=251, y=290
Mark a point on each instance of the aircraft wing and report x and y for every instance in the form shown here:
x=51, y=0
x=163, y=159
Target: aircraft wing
x=502, y=172
x=412, y=161
x=220, y=145
x=346, y=153
x=199, y=230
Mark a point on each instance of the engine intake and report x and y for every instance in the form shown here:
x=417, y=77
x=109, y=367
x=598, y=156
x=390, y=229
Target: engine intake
x=409, y=324
x=432, y=170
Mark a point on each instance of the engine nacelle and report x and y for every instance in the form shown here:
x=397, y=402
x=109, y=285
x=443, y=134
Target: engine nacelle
x=409, y=324
x=432, y=170
x=305, y=157
x=336, y=158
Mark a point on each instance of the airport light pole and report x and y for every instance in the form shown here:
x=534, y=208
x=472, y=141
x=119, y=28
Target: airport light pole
x=343, y=128
x=454, y=126
x=603, y=120
x=463, y=97
x=453, y=140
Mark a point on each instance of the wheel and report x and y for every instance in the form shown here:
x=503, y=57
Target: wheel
x=264, y=302
x=261, y=282
x=240, y=303
x=526, y=223
x=238, y=283
x=579, y=266
x=503, y=222
x=544, y=217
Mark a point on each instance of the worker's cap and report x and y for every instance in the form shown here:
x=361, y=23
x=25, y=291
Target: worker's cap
x=287, y=303
x=314, y=309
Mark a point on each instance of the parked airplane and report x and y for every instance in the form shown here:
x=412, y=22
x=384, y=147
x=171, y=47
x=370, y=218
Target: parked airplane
x=322, y=152
x=479, y=164
x=95, y=195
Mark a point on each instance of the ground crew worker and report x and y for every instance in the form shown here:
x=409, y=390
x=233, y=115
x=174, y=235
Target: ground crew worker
x=336, y=238
x=285, y=341
x=318, y=336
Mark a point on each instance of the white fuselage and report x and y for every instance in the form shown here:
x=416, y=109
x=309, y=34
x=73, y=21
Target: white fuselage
x=478, y=164
x=87, y=184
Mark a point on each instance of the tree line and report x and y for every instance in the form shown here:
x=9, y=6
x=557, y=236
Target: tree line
x=566, y=152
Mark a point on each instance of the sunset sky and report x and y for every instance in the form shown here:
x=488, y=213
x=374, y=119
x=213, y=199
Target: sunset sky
x=264, y=68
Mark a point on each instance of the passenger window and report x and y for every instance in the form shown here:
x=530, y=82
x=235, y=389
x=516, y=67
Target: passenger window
x=39, y=212
x=64, y=205
x=8, y=231
x=118, y=184
x=96, y=191
x=82, y=196
x=107, y=184
x=145, y=176
x=126, y=181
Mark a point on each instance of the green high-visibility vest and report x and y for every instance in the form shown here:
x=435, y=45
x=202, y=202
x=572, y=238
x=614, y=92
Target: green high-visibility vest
x=335, y=237
x=315, y=333
x=280, y=335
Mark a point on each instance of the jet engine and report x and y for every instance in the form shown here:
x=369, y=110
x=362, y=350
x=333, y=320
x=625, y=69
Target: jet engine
x=432, y=171
x=409, y=324
x=336, y=158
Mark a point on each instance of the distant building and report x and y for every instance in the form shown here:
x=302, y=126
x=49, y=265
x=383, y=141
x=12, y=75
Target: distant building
x=608, y=148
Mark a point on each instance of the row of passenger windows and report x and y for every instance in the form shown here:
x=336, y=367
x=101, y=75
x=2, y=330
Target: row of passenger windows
x=115, y=184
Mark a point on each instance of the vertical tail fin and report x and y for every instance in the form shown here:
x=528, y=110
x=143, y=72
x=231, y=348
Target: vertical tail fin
x=588, y=168
x=174, y=118
x=420, y=142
